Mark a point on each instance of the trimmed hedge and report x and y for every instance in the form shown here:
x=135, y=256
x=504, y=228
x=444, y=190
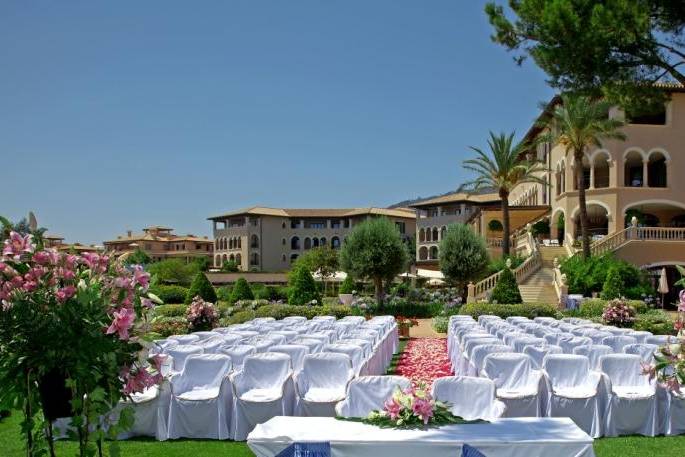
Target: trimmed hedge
x=526, y=310
x=594, y=307
x=657, y=322
x=282, y=311
x=412, y=309
x=171, y=310
x=170, y=294
x=166, y=326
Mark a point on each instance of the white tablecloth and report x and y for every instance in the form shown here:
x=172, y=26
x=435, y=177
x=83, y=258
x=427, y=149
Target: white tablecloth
x=514, y=437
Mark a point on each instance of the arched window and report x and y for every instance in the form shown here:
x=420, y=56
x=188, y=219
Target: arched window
x=428, y=235
x=434, y=253
x=435, y=234
x=307, y=243
x=315, y=242
x=422, y=236
x=283, y=259
x=254, y=241
x=238, y=259
x=283, y=226
x=423, y=253
x=633, y=169
x=295, y=243
x=225, y=259
x=600, y=164
x=230, y=243
x=254, y=259
x=323, y=241
x=240, y=242
x=283, y=241
x=335, y=242
x=586, y=174
x=231, y=258
x=656, y=169
x=293, y=257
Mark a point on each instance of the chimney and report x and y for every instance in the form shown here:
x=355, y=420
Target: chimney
x=129, y=233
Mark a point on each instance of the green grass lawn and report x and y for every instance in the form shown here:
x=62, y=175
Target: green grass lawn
x=11, y=446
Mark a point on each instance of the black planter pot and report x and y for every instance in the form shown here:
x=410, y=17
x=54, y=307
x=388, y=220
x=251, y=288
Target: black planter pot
x=54, y=395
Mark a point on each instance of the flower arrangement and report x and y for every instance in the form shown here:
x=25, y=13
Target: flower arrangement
x=413, y=408
x=202, y=315
x=617, y=312
x=71, y=340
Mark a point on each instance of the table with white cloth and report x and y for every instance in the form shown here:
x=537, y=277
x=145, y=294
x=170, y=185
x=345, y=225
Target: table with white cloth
x=513, y=437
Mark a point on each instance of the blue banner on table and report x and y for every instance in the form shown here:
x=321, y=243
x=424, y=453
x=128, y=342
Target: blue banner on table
x=306, y=450
x=468, y=451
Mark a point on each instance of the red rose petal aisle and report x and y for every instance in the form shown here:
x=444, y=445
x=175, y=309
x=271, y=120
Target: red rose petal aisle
x=424, y=360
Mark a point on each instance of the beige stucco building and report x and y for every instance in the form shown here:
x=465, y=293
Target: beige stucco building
x=161, y=243
x=270, y=239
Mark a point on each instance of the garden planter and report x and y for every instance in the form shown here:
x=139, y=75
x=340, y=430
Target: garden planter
x=404, y=331
x=54, y=395
x=346, y=299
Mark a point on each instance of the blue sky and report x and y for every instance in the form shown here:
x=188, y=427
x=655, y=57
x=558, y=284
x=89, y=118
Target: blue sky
x=118, y=115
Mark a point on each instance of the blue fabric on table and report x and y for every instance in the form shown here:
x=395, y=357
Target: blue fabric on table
x=306, y=450
x=468, y=451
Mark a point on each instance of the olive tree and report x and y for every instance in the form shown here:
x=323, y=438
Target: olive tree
x=463, y=255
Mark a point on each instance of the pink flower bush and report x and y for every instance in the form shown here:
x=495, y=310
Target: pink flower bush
x=202, y=315
x=617, y=312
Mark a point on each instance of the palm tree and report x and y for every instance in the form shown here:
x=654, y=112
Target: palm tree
x=502, y=169
x=579, y=123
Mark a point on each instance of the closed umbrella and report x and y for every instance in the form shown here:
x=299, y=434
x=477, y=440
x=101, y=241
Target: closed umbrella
x=663, y=285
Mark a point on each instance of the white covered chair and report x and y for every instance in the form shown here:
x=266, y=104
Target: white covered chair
x=261, y=343
x=201, y=398
x=640, y=335
x=211, y=345
x=368, y=393
x=537, y=354
x=617, y=342
x=574, y=391
x=567, y=344
x=597, y=336
x=480, y=352
x=150, y=412
x=322, y=383
x=659, y=340
x=594, y=353
x=518, y=384
x=185, y=339
x=314, y=345
x=645, y=351
x=469, y=397
x=262, y=390
x=180, y=353
x=631, y=397
x=294, y=319
x=520, y=344
x=671, y=409
x=206, y=335
x=353, y=351
x=296, y=353
x=237, y=354
x=465, y=359
x=231, y=339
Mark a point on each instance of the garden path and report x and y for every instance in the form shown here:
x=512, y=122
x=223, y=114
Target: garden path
x=424, y=360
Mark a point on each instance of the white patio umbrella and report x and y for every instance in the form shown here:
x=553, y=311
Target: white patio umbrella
x=663, y=285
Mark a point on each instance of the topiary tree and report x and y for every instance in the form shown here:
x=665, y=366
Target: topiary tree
x=241, y=291
x=613, y=285
x=374, y=249
x=463, y=255
x=347, y=286
x=201, y=287
x=506, y=290
x=302, y=288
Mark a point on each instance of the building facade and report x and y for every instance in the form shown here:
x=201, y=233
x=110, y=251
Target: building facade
x=271, y=239
x=161, y=243
x=435, y=214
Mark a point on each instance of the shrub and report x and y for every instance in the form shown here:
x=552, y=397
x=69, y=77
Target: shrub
x=593, y=307
x=202, y=315
x=613, y=286
x=239, y=317
x=618, y=313
x=347, y=286
x=170, y=294
x=224, y=293
x=526, y=310
x=170, y=310
x=656, y=321
x=506, y=289
x=463, y=255
x=302, y=287
x=588, y=276
x=166, y=326
x=229, y=266
x=241, y=291
x=201, y=287
x=409, y=308
x=173, y=271
x=440, y=324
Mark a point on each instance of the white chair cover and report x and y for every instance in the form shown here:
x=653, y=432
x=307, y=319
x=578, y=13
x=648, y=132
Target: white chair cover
x=671, y=409
x=518, y=384
x=289, y=335
x=211, y=345
x=237, y=354
x=294, y=319
x=469, y=397
x=597, y=336
x=573, y=391
x=231, y=339
x=640, y=335
x=645, y=351
x=521, y=343
x=261, y=343
x=567, y=344
x=314, y=345
x=262, y=390
x=482, y=351
x=201, y=398
x=150, y=412
x=206, y=335
x=368, y=393
x=180, y=353
x=594, y=353
x=185, y=339
x=537, y=354
x=322, y=383
x=296, y=353
x=618, y=342
x=353, y=351
x=659, y=340
x=366, y=345
x=357, y=319
x=631, y=398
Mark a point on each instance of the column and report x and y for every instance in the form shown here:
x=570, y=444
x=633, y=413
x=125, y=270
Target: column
x=645, y=173
x=613, y=173
x=592, y=176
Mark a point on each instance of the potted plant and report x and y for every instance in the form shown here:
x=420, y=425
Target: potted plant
x=404, y=324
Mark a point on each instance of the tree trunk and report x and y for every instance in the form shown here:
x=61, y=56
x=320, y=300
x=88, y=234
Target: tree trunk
x=378, y=283
x=506, y=236
x=582, y=206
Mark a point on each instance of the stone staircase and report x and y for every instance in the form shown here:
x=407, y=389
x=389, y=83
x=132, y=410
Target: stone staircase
x=539, y=287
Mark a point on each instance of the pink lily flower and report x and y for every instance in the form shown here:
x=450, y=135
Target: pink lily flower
x=123, y=321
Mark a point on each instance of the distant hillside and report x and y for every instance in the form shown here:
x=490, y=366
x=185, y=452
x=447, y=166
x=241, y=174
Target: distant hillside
x=405, y=203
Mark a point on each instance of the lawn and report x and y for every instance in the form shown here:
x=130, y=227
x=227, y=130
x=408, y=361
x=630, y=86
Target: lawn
x=11, y=446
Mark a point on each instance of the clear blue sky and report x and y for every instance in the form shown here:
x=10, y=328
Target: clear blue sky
x=118, y=115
